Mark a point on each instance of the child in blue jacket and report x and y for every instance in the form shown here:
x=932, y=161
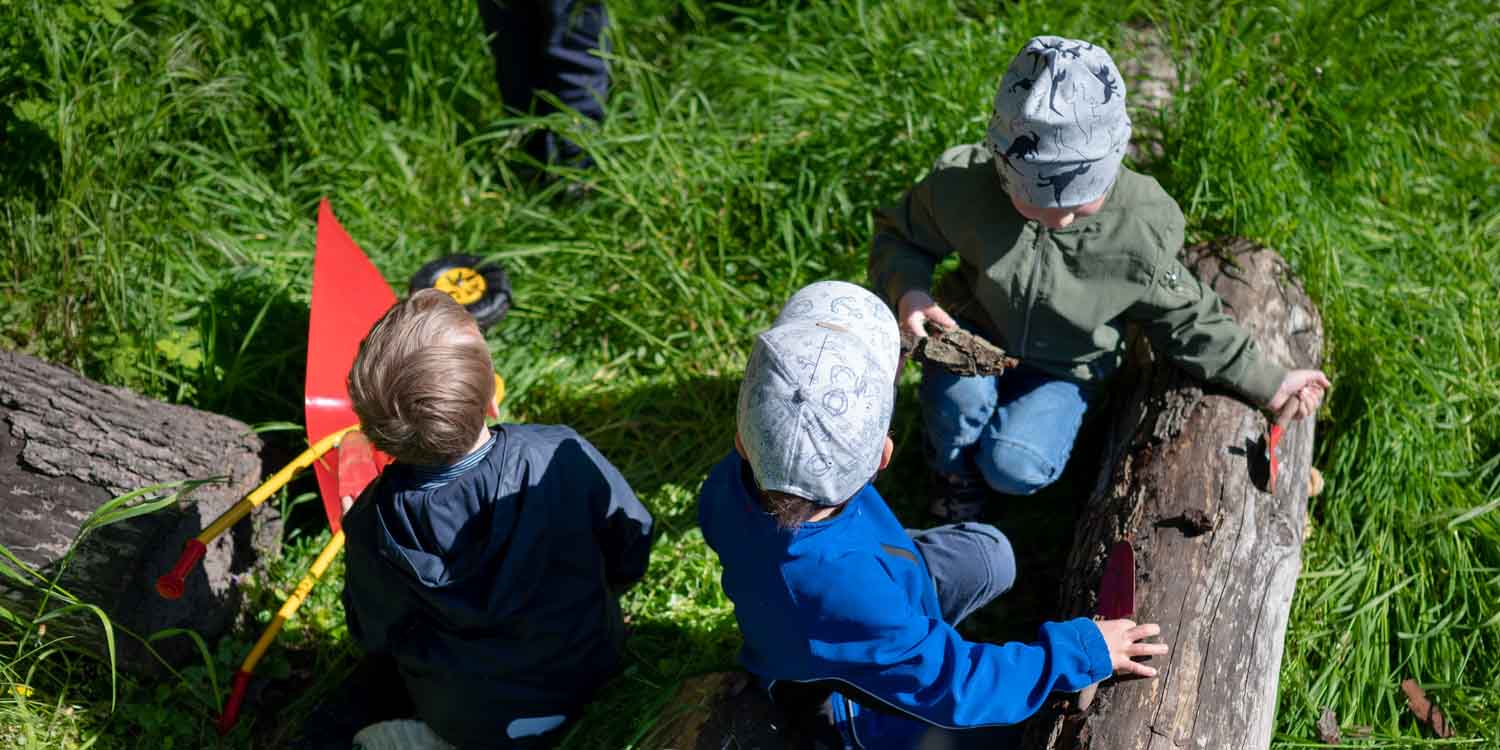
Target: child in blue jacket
x=848, y=618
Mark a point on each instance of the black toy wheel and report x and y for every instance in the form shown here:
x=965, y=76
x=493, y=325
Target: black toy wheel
x=482, y=288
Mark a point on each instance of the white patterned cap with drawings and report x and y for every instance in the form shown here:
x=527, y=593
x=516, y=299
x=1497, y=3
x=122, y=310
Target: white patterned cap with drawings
x=818, y=393
x=1059, y=128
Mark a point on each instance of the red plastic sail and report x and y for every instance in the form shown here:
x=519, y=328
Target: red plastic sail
x=348, y=296
x=1117, y=587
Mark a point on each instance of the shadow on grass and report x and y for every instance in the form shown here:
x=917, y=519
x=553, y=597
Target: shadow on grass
x=30, y=160
x=661, y=434
x=253, y=338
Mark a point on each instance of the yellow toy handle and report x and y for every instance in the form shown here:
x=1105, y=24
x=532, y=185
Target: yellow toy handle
x=288, y=608
x=172, y=584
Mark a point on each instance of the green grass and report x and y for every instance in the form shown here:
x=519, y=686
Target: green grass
x=161, y=164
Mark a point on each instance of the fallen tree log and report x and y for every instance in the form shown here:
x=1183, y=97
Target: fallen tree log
x=1183, y=479
x=68, y=445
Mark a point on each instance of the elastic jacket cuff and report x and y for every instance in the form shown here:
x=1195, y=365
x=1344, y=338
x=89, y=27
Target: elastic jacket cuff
x=1092, y=642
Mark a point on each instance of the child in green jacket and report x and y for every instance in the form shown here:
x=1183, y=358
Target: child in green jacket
x=1060, y=247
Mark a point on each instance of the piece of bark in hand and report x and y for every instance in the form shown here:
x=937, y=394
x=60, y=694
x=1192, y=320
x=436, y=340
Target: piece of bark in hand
x=959, y=352
x=1427, y=713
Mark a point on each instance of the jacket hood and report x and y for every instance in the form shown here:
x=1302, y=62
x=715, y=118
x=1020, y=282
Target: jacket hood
x=457, y=541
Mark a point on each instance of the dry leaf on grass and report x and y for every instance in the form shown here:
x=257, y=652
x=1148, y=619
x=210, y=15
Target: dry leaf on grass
x=1328, y=727
x=1427, y=713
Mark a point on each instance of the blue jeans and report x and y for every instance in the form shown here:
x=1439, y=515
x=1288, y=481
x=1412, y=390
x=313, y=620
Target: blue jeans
x=1014, y=430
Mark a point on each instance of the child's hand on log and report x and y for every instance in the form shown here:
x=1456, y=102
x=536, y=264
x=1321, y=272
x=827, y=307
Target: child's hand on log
x=1307, y=386
x=916, y=308
x=1124, y=639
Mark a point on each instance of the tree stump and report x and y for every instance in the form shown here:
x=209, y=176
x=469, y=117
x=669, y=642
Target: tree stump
x=67, y=446
x=1217, y=556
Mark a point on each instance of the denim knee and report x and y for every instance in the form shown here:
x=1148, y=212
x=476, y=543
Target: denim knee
x=1014, y=468
x=955, y=411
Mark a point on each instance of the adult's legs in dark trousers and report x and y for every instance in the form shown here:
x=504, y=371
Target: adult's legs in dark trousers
x=551, y=46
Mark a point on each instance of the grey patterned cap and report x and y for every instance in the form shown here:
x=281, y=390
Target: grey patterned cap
x=1059, y=128
x=818, y=393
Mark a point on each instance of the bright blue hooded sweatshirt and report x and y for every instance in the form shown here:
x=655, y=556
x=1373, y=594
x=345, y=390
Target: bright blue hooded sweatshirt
x=848, y=602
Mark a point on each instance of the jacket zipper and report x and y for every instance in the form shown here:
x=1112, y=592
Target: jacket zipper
x=1036, y=268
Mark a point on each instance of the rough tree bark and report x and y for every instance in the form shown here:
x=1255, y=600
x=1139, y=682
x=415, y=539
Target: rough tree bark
x=68, y=445
x=1217, y=556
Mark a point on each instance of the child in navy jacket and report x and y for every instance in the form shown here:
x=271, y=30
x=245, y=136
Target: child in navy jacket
x=485, y=561
x=847, y=617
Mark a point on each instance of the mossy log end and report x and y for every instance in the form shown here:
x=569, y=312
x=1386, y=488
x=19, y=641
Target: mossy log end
x=67, y=446
x=1183, y=479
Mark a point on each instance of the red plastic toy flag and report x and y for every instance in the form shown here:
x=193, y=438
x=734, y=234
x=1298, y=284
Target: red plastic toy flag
x=348, y=296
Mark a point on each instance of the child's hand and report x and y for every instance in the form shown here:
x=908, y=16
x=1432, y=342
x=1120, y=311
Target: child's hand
x=915, y=308
x=1307, y=386
x=1123, y=638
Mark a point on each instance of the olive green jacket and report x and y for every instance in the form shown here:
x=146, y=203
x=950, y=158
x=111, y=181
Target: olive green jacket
x=1059, y=299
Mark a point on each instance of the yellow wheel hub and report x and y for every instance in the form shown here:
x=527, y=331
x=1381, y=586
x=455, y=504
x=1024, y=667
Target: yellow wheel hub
x=463, y=284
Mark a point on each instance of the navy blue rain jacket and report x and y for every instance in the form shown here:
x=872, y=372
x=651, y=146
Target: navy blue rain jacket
x=493, y=591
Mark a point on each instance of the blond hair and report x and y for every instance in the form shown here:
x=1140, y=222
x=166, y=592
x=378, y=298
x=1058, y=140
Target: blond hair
x=423, y=380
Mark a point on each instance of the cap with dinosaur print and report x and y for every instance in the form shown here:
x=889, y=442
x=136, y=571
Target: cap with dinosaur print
x=1059, y=128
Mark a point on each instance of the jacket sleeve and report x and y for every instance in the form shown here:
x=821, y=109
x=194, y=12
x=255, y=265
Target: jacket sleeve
x=621, y=524
x=921, y=666
x=908, y=244
x=1185, y=320
x=373, y=612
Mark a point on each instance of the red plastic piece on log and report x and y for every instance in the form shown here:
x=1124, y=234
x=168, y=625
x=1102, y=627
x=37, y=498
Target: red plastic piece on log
x=1283, y=418
x=231, y=713
x=174, y=582
x=1271, y=442
x=348, y=296
x=1117, y=587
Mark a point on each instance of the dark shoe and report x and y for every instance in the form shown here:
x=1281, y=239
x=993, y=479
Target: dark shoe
x=957, y=499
